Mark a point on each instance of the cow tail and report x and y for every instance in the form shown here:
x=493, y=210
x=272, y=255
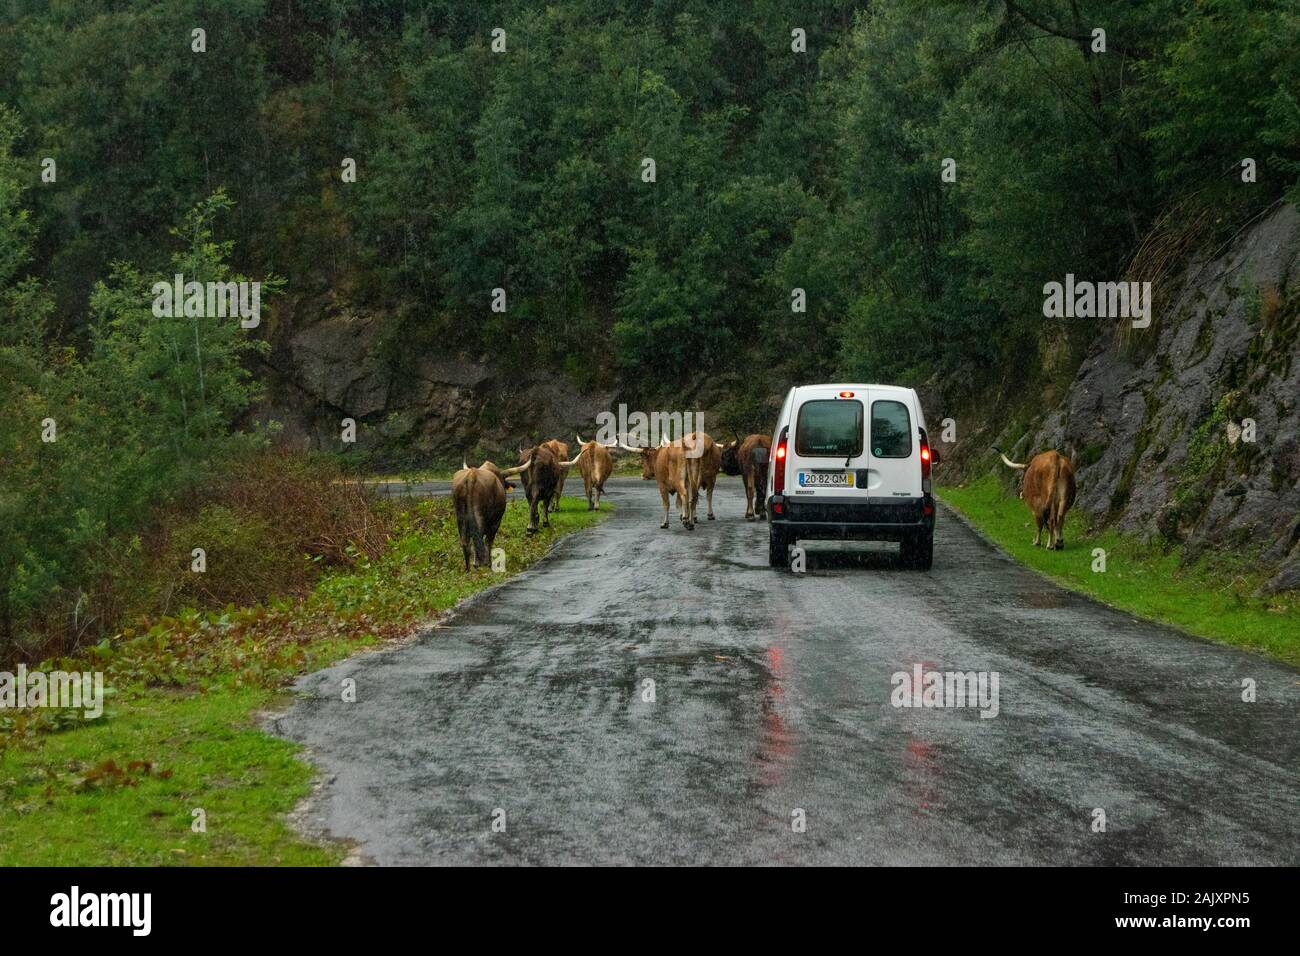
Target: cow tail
x=534, y=486
x=475, y=531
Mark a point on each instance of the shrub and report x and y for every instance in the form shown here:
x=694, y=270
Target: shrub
x=270, y=522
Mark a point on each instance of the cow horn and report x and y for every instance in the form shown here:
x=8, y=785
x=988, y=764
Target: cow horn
x=517, y=470
x=580, y=441
x=567, y=464
x=1007, y=461
x=463, y=466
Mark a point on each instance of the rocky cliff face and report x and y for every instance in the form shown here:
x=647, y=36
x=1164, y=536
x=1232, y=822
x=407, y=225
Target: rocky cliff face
x=425, y=409
x=1193, y=436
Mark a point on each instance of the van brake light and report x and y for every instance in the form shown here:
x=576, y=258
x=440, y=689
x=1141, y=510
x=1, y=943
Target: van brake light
x=925, y=462
x=778, y=476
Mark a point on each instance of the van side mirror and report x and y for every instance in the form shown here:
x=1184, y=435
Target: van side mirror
x=759, y=456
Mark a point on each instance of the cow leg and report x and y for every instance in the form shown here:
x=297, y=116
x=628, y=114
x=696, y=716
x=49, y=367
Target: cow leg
x=587, y=490
x=710, y=493
x=490, y=529
x=663, y=493
x=480, y=542
x=749, y=497
x=532, y=516
x=1038, y=537
x=686, y=504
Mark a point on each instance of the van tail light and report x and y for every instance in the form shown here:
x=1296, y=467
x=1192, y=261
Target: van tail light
x=925, y=463
x=778, y=476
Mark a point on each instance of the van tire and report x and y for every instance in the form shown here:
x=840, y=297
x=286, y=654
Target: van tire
x=917, y=551
x=778, y=547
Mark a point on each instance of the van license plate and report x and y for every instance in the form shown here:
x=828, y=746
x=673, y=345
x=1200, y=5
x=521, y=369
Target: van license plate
x=826, y=479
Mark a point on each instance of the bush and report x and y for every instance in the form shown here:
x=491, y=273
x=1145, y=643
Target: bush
x=270, y=522
x=269, y=525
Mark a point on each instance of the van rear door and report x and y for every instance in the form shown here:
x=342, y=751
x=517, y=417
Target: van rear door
x=827, y=445
x=893, y=445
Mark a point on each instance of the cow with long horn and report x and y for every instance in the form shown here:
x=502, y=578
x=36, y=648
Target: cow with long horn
x=595, y=464
x=479, y=497
x=666, y=465
x=1048, y=489
x=542, y=482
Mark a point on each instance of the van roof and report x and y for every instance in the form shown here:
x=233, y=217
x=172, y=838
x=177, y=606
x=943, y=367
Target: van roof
x=854, y=386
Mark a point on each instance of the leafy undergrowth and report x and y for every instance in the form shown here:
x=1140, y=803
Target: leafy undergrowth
x=179, y=732
x=1212, y=598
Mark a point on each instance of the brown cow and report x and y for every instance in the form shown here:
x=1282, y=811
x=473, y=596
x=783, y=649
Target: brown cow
x=595, y=464
x=1048, y=490
x=738, y=459
x=542, y=482
x=479, y=496
x=703, y=458
x=561, y=451
x=666, y=465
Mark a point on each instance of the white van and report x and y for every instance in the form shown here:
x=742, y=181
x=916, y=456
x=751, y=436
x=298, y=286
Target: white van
x=851, y=462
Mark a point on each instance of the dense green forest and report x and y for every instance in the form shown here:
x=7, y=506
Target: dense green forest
x=794, y=147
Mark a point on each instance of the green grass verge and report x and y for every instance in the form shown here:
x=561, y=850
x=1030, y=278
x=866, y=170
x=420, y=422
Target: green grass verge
x=1210, y=598
x=179, y=730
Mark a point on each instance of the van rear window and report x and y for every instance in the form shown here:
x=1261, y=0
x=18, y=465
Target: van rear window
x=891, y=430
x=829, y=428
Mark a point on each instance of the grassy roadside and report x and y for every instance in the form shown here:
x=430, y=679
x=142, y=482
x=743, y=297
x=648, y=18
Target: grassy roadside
x=179, y=730
x=1211, y=598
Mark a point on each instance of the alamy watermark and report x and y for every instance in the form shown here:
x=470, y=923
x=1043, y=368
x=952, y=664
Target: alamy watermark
x=75, y=908
x=1098, y=300
x=648, y=431
x=946, y=689
x=58, y=689
x=215, y=300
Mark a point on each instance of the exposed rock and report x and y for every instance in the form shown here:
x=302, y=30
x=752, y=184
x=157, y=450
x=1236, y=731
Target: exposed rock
x=1165, y=439
x=435, y=409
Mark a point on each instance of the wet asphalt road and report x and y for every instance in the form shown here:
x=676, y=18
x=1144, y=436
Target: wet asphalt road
x=772, y=695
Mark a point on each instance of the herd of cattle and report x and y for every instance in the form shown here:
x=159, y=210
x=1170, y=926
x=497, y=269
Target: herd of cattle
x=682, y=468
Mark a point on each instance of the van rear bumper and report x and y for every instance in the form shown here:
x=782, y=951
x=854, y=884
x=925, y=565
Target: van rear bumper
x=851, y=518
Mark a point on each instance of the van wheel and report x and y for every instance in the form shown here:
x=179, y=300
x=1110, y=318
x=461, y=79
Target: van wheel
x=917, y=551
x=778, y=547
